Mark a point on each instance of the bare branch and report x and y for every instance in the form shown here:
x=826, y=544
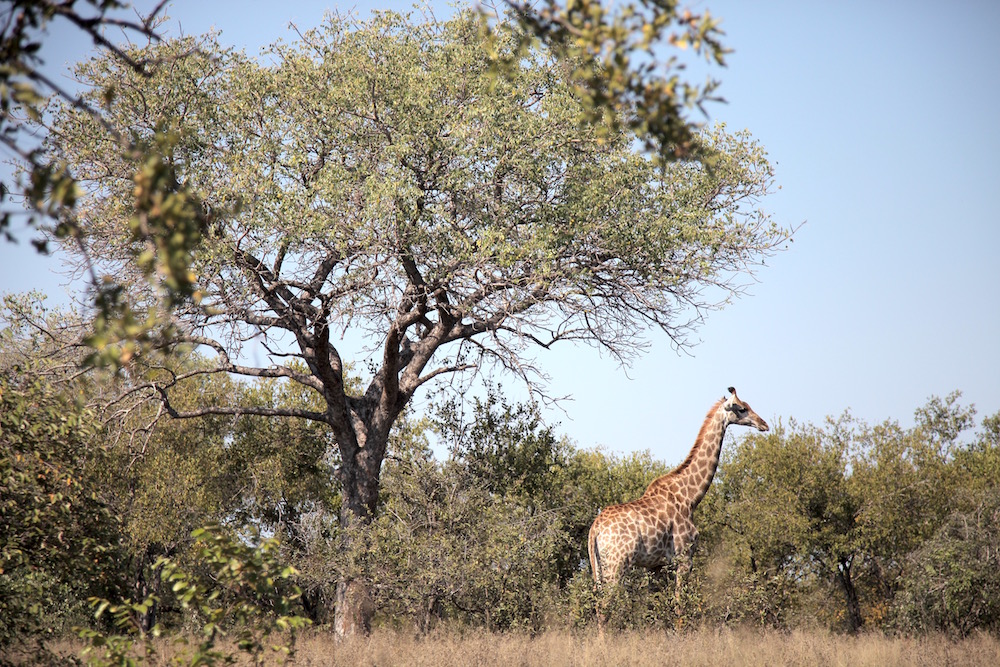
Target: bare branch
x=240, y=411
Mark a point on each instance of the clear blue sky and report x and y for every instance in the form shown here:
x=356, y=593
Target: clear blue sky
x=882, y=120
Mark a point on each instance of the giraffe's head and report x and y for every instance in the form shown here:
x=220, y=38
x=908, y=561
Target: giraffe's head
x=740, y=412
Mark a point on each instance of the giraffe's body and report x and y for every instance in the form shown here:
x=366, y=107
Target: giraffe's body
x=659, y=526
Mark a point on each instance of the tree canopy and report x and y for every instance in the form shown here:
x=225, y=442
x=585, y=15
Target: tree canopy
x=619, y=72
x=608, y=53
x=384, y=179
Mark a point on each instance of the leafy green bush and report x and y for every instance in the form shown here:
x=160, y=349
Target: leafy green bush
x=237, y=590
x=953, y=582
x=57, y=537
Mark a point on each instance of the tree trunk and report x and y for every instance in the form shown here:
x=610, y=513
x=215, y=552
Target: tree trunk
x=359, y=477
x=354, y=609
x=147, y=583
x=427, y=617
x=854, y=619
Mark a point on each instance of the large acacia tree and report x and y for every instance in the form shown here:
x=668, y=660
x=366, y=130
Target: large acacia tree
x=614, y=54
x=380, y=178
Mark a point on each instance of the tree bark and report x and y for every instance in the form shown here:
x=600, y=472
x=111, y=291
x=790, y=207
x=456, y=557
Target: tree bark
x=428, y=612
x=146, y=583
x=354, y=609
x=361, y=464
x=854, y=619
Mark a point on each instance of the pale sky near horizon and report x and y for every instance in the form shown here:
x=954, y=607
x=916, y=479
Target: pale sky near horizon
x=881, y=119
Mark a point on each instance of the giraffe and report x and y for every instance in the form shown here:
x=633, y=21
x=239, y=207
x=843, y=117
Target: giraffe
x=651, y=530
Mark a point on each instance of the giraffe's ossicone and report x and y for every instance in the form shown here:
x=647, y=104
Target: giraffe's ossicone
x=659, y=526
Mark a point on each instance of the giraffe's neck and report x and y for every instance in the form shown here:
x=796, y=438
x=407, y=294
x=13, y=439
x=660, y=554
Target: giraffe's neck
x=694, y=476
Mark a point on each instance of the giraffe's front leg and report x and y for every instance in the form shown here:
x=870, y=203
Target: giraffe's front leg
x=685, y=539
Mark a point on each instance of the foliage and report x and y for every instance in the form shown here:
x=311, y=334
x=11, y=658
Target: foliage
x=788, y=501
x=505, y=448
x=848, y=506
x=460, y=551
x=58, y=539
x=24, y=88
x=166, y=227
x=244, y=590
x=167, y=218
x=977, y=465
x=609, y=56
x=493, y=536
x=538, y=215
x=289, y=486
x=953, y=583
x=287, y=465
x=511, y=453
x=614, y=50
x=951, y=579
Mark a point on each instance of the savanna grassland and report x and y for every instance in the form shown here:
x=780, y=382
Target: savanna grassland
x=709, y=648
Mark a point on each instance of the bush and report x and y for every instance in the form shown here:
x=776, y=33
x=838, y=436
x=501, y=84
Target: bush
x=235, y=590
x=57, y=536
x=953, y=580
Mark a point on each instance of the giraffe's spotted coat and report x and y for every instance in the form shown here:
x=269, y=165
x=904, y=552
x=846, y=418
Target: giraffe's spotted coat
x=659, y=526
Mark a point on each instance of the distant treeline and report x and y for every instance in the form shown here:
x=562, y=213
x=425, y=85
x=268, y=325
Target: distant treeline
x=843, y=525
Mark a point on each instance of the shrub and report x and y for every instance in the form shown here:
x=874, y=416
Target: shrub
x=953, y=580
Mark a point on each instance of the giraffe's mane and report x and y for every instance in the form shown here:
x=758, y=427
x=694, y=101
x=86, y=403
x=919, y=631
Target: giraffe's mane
x=694, y=448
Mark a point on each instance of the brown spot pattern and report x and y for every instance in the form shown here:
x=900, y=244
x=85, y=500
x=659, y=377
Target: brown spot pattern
x=659, y=526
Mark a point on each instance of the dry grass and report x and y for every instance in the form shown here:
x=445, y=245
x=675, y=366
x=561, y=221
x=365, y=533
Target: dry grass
x=706, y=648
x=579, y=649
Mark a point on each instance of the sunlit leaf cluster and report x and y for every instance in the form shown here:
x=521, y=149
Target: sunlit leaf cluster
x=625, y=62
